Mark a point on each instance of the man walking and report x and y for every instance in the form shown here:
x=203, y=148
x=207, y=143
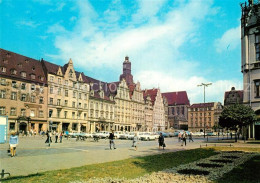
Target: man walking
x=111, y=139
x=184, y=136
x=190, y=137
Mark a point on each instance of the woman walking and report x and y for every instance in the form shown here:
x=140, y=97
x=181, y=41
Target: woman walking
x=161, y=141
x=13, y=142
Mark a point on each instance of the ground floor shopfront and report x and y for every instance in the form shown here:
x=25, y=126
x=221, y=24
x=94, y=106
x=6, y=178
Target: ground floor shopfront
x=26, y=125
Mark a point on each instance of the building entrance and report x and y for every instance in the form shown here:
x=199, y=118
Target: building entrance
x=23, y=127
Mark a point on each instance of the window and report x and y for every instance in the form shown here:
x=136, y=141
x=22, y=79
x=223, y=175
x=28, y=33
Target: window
x=73, y=115
x=50, y=113
x=13, y=96
x=23, y=74
x=32, y=76
x=3, y=81
x=74, y=94
x=2, y=94
x=66, y=93
x=58, y=113
x=65, y=114
x=73, y=104
x=51, y=89
x=13, y=72
x=32, y=113
x=23, y=98
x=257, y=47
x=96, y=114
x=23, y=86
x=33, y=87
x=79, y=105
x=85, y=116
x=71, y=73
x=66, y=82
x=14, y=84
x=257, y=88
x=3, y=69
x=13, y=111
x=41, y=100
x=66, y=102
x=79, y=95
x=51, y=100
x=2, y=110
x=85, y=106
x=23, y=111
x=41, y=114
x=33, y=99
x=85, y=96
x=58, y=102
x=96, y=105
x=51, y=78
x=59, y=80
x=59, y=91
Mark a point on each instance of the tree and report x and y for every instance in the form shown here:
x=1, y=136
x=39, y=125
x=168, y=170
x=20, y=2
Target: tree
x=237, y=116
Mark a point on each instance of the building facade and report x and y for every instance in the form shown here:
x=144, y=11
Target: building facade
x=250, y=61
x=23, y=92
x=68, y=98
x=178, y=104
x=158, y=109
x=204, y=116
x=233, y=97
x=148, y=112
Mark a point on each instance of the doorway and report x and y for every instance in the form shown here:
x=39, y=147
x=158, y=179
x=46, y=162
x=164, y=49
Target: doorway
x=23, y=127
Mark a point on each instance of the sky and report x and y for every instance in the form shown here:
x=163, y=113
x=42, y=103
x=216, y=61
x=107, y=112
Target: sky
x=172, y=44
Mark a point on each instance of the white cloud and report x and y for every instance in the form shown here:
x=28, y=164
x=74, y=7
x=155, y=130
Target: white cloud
x=59, y=7
x=153, y=47
x=31, y=24
x=56, y=28
x=230, y=40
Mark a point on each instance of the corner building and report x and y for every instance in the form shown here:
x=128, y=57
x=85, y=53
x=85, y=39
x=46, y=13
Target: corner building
x=23, y=92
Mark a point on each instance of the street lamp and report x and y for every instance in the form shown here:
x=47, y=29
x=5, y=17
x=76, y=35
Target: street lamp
x=204, y=85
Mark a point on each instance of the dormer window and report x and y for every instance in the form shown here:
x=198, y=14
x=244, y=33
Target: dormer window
x=26, y=61
x=32, y=76
x=92, y=93
x=41, y=78
x=23, y=74
x=13, y=72
x=5, y=61
x=102, y=94
x=8, y=55
x=3, y=69
x=33, y=68
x=14, y=84
x=20, y=65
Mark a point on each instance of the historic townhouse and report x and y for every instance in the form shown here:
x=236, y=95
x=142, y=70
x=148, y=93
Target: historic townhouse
x=166, y=110
x=158, y=109
x=137, y=107
x=68, y=96
x=202, y=116
x=178, y=104
x=148, y=111
x=101, y=106
x=23, y=92
x=250, y=61
x=233, y=97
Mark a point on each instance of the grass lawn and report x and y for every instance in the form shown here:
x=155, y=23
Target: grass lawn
x=246, y=149
x=129, y=168
x=245, y=173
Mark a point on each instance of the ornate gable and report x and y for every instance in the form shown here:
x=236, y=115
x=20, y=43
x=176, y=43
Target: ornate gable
x=70, y=72
x=59, y=72
x=80, y=78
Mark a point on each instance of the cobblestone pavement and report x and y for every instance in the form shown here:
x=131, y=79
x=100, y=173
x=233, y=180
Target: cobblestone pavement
x=33, y=155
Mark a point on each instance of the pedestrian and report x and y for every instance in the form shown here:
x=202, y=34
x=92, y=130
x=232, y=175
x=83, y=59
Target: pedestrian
x=56, y=137
x=13, y=142
x=179, y=135
x=47, y=134
x=135, y=141
x=50, y=135
x=161, y=141
x=111, y=139
x=190, y=137
x=61, y=134
x=184, y=136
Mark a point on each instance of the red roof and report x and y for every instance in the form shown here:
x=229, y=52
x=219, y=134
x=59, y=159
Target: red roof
x=177, y=98
x=13, y=61
x=152, y=93
x=201, y=105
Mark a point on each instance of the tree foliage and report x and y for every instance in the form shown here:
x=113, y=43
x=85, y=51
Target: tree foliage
x=236, y=115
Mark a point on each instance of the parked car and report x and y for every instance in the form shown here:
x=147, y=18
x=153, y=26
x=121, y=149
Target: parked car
x=146, y=136
x=156, y=135
x=103, y=134
x=198, y=134
x=130, y=135
x=165, y=135
x=123, y=135
x=176, y=133
x=117, y=134
x=171, y=134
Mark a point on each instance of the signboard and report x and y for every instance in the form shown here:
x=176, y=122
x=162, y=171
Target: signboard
x=3, y=129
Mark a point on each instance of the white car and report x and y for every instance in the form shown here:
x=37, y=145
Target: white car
x=117, y=134
x=130, y=135
x=146, y=136
x=103, y=134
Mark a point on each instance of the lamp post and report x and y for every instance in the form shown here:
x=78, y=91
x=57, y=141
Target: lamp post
x=204, y=86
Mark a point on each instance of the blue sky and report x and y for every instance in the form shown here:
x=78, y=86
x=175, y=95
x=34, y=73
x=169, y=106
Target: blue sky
x=173, y=44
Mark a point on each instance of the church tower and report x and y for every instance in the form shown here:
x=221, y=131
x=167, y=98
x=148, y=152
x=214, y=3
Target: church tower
x=127, y=72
